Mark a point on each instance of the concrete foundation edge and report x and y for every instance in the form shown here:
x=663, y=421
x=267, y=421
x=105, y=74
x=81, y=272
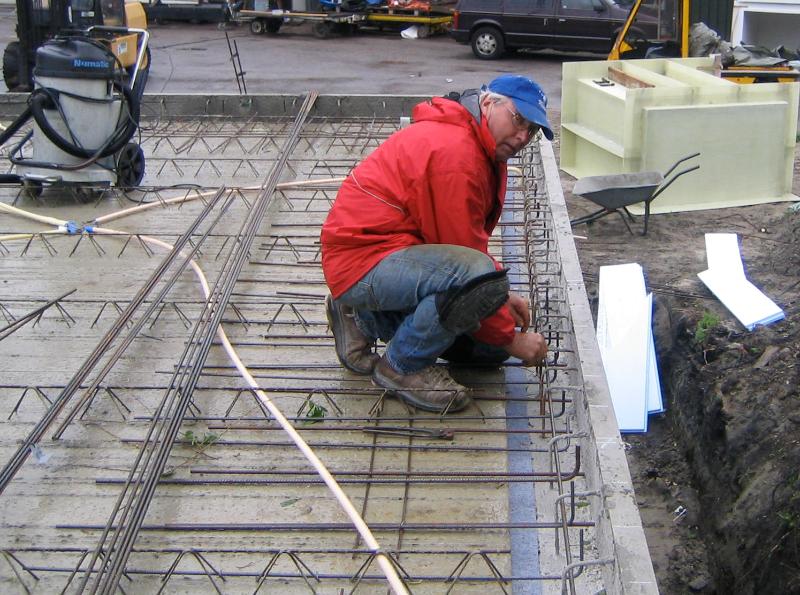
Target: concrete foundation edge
x=620, y=536
x=244, y=106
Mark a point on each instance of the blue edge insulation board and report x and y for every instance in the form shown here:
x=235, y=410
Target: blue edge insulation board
x=522, y=498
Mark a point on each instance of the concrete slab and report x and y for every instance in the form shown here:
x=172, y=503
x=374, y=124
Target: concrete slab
x=236, y=500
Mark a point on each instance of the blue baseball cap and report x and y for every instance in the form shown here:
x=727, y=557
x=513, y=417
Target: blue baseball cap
x=528, y=98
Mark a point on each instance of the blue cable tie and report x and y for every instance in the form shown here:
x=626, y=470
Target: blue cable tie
x=72, y=227
x=88, y=229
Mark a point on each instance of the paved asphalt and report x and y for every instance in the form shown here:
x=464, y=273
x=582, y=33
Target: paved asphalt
x=194, y=58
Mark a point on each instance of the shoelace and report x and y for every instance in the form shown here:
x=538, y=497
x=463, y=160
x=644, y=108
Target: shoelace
x=440, y=376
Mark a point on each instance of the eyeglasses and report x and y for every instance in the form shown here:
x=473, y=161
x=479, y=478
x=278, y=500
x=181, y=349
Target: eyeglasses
x=521, y=123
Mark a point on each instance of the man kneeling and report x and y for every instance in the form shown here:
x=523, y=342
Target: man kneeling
x=405, y=246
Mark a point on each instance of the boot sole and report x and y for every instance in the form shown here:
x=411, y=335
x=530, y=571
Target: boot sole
x=409, y=398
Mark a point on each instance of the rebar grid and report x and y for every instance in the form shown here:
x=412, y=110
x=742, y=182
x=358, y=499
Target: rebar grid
x=442, y=540
x=275, y=565
x=561, y=374
x=36, y=315
x=236, y=151
x=134, y=502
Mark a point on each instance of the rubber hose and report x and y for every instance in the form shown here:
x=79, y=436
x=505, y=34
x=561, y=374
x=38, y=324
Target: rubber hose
x=15, y=125
x=121, y=136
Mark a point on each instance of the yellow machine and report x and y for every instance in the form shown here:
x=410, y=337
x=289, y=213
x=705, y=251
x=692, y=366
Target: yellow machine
x=672, y=17
x=110, y=21
x=124, y=45
x=673, y=41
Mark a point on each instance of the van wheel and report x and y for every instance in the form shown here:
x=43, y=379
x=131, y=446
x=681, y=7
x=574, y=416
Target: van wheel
x=487, y=43
x=256, y=26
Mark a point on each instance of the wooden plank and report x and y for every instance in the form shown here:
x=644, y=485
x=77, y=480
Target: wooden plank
x=626, y=80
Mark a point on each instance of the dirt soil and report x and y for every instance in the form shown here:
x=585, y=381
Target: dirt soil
x=717, y=476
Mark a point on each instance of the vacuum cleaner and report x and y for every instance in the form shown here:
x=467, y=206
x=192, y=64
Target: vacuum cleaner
x=85, y=111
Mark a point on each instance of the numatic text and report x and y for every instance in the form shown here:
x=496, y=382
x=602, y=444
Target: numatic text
x=77, y=62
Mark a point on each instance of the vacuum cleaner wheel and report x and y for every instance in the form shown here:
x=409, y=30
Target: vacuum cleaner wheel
x=130, y=166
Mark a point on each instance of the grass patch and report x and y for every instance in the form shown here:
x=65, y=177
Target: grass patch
x=707, y=323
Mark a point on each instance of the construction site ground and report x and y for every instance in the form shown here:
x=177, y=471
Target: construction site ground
x=716, y=476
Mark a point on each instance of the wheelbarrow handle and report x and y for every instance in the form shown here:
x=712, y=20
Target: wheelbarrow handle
x=667, y=183
x=677, y=163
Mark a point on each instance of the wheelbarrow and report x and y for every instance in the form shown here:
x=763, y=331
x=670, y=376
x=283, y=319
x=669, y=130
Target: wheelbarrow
x=616, y=192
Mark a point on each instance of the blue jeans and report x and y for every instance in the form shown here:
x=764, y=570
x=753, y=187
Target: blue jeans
x=396, y=302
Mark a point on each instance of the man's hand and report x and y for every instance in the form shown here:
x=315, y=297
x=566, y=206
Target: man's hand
x=520, y=311
x=529, y=347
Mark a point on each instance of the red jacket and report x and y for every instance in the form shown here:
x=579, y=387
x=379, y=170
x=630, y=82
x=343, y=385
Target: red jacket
x=435, y=182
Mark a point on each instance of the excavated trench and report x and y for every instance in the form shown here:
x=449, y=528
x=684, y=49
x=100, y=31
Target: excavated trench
x=738, y=440
x=737, y=411
x=717, y=478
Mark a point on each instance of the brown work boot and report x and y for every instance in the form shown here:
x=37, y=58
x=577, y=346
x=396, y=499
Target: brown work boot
x=431, y=389
x=355, y=350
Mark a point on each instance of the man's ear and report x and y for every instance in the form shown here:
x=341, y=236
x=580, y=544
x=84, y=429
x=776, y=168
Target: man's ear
x=485, y=103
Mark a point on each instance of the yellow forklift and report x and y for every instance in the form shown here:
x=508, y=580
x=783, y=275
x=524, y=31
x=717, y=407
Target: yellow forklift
x=40, y=20
x=672, y=40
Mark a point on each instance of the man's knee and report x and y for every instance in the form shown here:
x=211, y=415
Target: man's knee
x=461, y=308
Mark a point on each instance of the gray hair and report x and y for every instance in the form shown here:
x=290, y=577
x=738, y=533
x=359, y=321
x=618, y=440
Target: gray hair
x=493, y=97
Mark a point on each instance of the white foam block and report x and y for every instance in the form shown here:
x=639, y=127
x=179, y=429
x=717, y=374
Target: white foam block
x=625, y=338
x=726, y=279
x=655, y=400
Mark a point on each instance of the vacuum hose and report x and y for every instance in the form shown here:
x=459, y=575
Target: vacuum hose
x=15, y=125
x=42, y=99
